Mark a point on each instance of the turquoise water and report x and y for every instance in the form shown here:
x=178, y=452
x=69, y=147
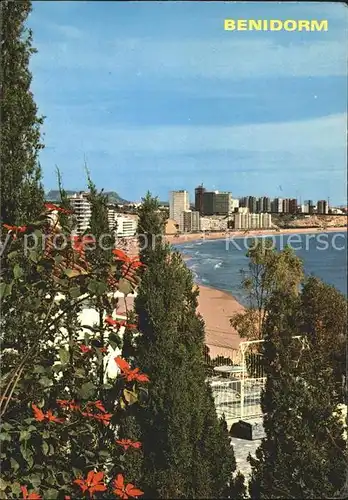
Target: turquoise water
x=217, y=263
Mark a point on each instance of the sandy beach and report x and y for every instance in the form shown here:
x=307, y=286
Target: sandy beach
x=217, y=308
x=189, y=237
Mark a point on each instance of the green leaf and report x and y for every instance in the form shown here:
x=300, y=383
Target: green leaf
x=104, y=454
x=13, y=254
x=24, y=435
x=63, y=356
x=75, y=292
x=58, y=259
x=45, y=448
x=14, y=464
x=34, y=256
x=80, y=373
x=3, y=484
x=17, y=271
x=5, y=289
x=51, y=494
x=4, y=436
x=51, y=452
x=73, y=273
x=35, y=480
x=45, y=382
x=38, y=369
x=97, y=287
x=16, y=489
x=125, y=286
x=87, y=390
x=130, y=397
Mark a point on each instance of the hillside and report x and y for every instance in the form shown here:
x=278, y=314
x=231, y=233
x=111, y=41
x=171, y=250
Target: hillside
x=113, y=197
x=288, y=221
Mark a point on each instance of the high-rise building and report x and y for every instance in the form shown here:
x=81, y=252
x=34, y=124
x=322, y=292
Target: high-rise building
x=223, y=203
x=199, y=204
x=286, y=205
x=217, y=203
x=322, y=207
x=234, y=204
x=310, y=206
x=252, y=204
x=252, y=221
x=190, y=221
x=178, y=203
x=265, y=204
x=293, y=206
x=277, y=205
x=125, y=225
x=82, y=211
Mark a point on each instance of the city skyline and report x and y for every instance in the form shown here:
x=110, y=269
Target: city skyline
x=159, y=92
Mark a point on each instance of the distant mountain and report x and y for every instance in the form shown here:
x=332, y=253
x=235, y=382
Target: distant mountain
x=113, y=197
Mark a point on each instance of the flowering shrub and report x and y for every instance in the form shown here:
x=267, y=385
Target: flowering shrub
x=59, y=407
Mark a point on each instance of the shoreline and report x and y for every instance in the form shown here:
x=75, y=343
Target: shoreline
x=196, y=237
x=218, y=306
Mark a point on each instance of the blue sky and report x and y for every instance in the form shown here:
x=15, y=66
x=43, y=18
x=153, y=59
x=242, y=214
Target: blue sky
x=156, y=95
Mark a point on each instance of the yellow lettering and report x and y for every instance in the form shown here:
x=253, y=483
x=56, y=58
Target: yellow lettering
x=319, y=25
x=242, y=25
x=304, y=25
x=255, y=24
x=275, y=25
x=230, y=25
x=290, y=25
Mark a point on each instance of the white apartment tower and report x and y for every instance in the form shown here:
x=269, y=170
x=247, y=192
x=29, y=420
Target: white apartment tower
x=178, y=203
x=82, y=211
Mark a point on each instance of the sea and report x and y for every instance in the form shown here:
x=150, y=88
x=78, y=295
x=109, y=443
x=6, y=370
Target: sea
x=218, y=263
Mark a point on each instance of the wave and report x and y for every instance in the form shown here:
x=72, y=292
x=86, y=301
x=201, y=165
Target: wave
x=218, y=265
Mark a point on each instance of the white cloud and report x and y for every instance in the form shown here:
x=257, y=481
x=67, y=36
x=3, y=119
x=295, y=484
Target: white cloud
x=322, y=134
x=214, y=58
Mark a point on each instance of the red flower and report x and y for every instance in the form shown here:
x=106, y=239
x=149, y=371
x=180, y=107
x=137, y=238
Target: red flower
x=85, y=348
x=40, y=416
x=120, y=255
x=103, y=417
x=15, y=229
x=130, y=262
x=29, y=496
x=69, y=405
x=92, y=483
x=51, y=207
x=125, y=491
x=115, y=322
x=129, y=374
x=79, y=243
x=98, y=404
x=128, y=443
x=103, y=349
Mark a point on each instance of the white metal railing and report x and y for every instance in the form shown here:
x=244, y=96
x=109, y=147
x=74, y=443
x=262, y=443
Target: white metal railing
x=237, y=398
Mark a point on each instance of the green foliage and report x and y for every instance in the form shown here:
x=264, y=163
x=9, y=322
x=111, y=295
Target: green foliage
x=181, y=434
x=269, y=272
x=21, y=190
x=303, y=454
x=44, y=293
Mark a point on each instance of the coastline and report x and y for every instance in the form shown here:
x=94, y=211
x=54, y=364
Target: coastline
x=217, y=306
x=194, y=237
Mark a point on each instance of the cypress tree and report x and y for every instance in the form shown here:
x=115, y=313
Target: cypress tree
x=302, y=455
x=22, y=194
x=186, y=449
x=324, y=317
